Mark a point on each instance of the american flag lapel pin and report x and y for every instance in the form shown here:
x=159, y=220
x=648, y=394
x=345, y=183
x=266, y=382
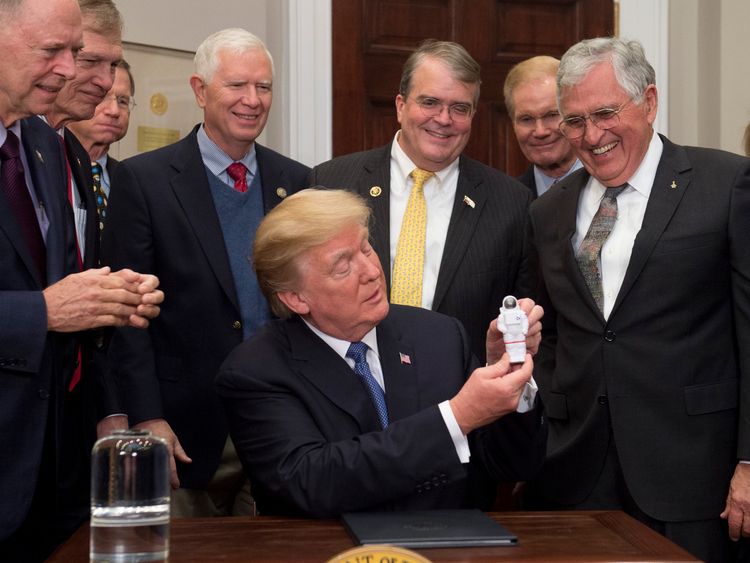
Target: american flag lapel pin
x=405, y=359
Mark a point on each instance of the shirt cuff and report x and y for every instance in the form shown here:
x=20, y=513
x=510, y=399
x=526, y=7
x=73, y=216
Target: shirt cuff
x=459, y=440
x=526, y=402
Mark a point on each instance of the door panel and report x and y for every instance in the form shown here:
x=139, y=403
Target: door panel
x=373, y=38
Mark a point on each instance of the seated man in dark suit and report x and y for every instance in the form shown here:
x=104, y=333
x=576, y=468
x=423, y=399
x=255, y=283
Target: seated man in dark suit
x=349, y=403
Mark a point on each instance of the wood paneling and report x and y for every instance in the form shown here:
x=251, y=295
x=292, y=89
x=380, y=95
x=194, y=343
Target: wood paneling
x=373, y=38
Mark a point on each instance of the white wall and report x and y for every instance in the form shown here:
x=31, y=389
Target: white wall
x=710, y=77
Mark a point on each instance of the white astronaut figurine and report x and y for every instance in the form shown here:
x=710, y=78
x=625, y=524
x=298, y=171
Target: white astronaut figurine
x=514, y=325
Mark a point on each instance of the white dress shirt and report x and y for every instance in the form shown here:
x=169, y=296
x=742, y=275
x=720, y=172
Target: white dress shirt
x=439, y=194
x=373, y=359
x=631, y=207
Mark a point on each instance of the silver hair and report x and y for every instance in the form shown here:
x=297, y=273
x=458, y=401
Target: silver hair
x=632, y=71
x=233, y=39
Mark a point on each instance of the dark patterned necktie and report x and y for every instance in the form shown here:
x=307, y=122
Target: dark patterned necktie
x=357, y=352
x=19, y=199
x=238, y=172
x=99, y=195
x=589, y=253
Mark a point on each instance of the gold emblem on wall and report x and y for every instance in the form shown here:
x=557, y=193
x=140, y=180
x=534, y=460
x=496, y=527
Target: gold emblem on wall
x=159, y=104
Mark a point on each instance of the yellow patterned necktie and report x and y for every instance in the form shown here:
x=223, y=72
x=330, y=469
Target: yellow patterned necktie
x=408, y=267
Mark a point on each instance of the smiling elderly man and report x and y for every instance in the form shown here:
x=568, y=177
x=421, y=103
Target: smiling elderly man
x=350, y=403
x=644, y=362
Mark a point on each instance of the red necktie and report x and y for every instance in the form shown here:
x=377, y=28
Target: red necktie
x=17, y=194
x=238, y=172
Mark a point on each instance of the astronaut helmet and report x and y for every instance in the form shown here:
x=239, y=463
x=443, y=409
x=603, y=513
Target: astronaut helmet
x=510, y=302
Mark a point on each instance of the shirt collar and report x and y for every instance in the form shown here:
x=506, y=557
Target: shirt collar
x=405, y=166
x=216, y=160
x=546, y=181
x=642, y=179
x=342, y=346
x=16, y=128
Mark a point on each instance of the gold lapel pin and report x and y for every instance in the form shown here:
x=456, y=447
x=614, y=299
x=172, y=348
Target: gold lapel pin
x=39, y=156
x=281, y=192
x=470, y=202
x=673, y=185
x=375, y=191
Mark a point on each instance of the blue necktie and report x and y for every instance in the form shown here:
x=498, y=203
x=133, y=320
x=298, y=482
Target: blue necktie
x=357, y=352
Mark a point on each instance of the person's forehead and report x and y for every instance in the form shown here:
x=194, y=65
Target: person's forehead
x=121, y=85
x=101, y=44
x=229, y=60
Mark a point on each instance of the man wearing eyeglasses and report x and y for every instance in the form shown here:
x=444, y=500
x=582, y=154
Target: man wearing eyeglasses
x=531, y=101
x=646, y=287
x=108, y=125
x=448, y=229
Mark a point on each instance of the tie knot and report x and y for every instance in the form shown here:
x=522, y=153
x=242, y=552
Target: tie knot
x=237, y=171
x=96, y=168
x=421, y=176
x=357, y=351
x=612, y=193
x=10, y=148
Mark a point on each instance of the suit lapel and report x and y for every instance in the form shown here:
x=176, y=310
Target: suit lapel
x=190, y=185
x=273, y=178
x=45, y=159
x=400, y=367
x=375, y=187
x=463, y=223
x=331, y=375
x=674, y=170
x=565, y=218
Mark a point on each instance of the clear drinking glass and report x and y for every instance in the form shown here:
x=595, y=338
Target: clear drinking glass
x=129, y=498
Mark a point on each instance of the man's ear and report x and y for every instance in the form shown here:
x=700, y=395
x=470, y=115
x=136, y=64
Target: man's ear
x=198, y=86
x=294, y=301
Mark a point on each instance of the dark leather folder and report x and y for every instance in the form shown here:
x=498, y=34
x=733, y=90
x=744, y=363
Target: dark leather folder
x=427, y=528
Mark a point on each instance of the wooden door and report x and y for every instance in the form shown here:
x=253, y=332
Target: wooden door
x=373, y=38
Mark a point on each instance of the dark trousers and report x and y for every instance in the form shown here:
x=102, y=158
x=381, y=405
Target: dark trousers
x=61, y=498
x=707, y=540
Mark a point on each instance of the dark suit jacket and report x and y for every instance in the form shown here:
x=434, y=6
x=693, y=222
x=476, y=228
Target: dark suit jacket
x=112, y=164
x=308, y=435
x=163, y=221
x=529, y=180
x=35, y=366
x=667, y=373
x=484, y=258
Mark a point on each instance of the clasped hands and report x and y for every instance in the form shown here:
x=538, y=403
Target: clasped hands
x=99, y=297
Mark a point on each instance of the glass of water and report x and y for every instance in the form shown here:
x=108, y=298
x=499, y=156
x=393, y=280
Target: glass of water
x=129, y=498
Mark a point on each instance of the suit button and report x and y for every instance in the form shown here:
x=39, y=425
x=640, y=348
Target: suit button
x=609, y=336
x=419, y=489
x=237, y=325
x=43, y=394
x=602, y=399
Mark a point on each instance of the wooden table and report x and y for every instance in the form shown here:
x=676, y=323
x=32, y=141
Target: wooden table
x=543, y=537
